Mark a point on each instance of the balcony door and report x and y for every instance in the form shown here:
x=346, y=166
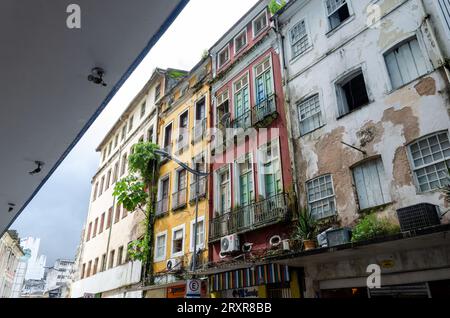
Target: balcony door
x=224, y=191
x=263, y=81
x=241, y=103
x=245, y=197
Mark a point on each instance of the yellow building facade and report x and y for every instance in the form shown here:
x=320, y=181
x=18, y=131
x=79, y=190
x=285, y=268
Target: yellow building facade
x=183, y=122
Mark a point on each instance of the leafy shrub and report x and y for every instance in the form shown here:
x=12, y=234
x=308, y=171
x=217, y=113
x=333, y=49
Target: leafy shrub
x=276, y=5
x=370, y=226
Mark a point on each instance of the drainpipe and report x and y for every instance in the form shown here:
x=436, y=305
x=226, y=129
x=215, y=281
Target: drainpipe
x=285, y=82
x=429, y=27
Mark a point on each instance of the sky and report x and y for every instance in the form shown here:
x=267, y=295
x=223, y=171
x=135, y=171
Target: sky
x=57, y=213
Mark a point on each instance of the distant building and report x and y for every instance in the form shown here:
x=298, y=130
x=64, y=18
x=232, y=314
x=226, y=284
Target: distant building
x=33, y=288
x=19, y=278
x=36, y=264
x=10, y=254
x=59, y=278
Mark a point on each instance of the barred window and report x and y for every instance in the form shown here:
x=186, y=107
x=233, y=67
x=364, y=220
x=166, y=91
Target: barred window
x=430, y=157
x=299, y=39
x=310, y=115
x=321, y=198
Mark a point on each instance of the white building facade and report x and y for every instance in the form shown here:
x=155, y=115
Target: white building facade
x=10, y=255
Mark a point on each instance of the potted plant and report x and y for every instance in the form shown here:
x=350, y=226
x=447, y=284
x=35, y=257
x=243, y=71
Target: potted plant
x=305, y=230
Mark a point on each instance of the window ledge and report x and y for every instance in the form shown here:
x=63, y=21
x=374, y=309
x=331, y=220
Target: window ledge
x=376, y=208
x=355, y=110
x=310, y=132
x=393, y=90
x=344, y=23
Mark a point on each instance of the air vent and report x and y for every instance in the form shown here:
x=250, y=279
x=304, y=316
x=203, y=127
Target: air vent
x=418, y=216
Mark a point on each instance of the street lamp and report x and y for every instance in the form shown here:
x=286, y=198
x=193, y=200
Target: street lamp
x=197, y=174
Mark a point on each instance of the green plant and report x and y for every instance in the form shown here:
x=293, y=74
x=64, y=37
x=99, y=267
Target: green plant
x=176, y=74
x=276, y=5
x=306, y=226
x=138, y=192
x=370, y=226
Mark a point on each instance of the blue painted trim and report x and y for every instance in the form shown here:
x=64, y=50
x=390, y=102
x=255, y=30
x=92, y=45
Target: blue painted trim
x=105, y=102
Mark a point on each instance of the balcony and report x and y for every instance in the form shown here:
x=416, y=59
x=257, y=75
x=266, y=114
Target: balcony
x=243, y=121
x=179, y=199
x=201, y=189
x=182, y=143
x=198, y=131
x=250, y=217
x=167, y=149
x=264, y=112
x=162, y=206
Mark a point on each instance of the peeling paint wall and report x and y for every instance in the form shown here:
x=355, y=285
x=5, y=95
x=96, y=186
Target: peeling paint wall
x=384, y=127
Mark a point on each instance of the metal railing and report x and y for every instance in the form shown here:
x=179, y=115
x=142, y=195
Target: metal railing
x=182, y=143
x=247, y=218
x=162, y=206
x=198, y=131
x=201, y=188
x=244, y=121
x=179, y=199
x=167, y=149
x=263, y=109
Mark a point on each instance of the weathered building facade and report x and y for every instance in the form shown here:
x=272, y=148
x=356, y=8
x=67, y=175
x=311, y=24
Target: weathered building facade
x=104, y=266
x=10, y=255
x=367, y=87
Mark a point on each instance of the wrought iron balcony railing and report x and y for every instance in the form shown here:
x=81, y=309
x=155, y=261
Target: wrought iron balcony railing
x=201, y=188
x=250, y=217
x=264, y=109
x=243, y=121
x=162, y=206
x=179, y=199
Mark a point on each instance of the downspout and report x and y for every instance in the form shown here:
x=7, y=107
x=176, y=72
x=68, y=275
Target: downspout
x=285, y=83
x=430, y=31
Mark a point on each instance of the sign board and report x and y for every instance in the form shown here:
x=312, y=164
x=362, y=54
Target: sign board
x=193, y=288
x=176, y=291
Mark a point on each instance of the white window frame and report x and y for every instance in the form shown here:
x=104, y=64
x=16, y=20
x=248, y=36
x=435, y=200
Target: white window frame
x=328, y=15
x=404, y=40
x=255, y=76
x=322, y=115
x=324, y=198
x=411, y=160
x=164, y=134
x=227, y=47
x=201, y=245
x=307, y=35
x=175, y=229
x=261, y=181
x=236, y=185
x=217, y=173
x=160, y=182
x=244, y=31
x=264, y=12
x=445, y=19
x=161, y=257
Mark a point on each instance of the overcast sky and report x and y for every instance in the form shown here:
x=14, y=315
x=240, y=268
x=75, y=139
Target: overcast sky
x=58, y=211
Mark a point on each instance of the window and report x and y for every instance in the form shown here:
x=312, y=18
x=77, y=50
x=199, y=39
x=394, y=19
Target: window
x=270, y=169
x=95, y=192
x=94, y=233
x=108, y=179
x=94, y=270
x=200, y=234
x=102, y=184
x=157, y=92
x=168, y=137
x=102, y=223
x=263, y=83
x=111, y=259
x=88, y=237
x=259, y=24
x=371, y=184
x=130, y=123
x=429, y=157
x=224, y=197
x=119, y=256
x=224, y=56
x=160, y=246
x=150, y=134
x=183, y=131
x=241, y=103
x=240, y=41
x=310, y=115
x=124, y=132
x=83, y=271
x=104, y=155
x=178, y=241
x=116, y=141
x=116, y=172
x=352, y=93
x=321, y=197
x=117, y=216
x=222, y=108
x=103, y=265
x=338, y=12
x=244, y=182
x=124, y=165
x=109, y=220
x=142, y=109
x=110, y=148
x=299, y=39
x=405, y=63
x=88, y=272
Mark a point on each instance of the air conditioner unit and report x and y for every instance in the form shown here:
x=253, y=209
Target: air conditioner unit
x=418, y=216
x=174, y=264
x=229, y=243
x=338, y=237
